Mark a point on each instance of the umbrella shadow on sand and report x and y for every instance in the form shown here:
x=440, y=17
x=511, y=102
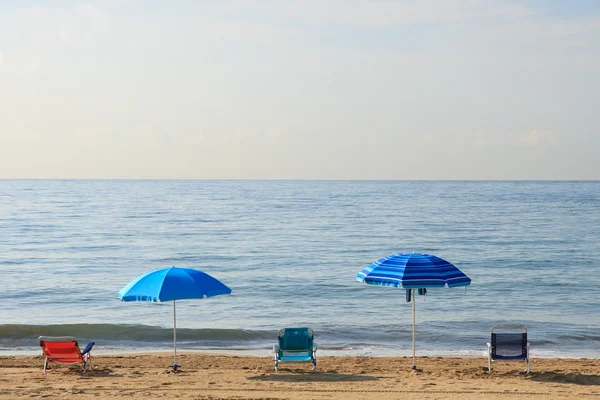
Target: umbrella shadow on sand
x=558, y=377
x=303, y=376
x=100, y=372
x=96, y=372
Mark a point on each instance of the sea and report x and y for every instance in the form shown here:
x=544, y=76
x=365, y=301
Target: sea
x=290, y=252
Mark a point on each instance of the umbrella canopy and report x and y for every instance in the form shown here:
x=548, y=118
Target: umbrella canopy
x=172, y=284
x=413, y=271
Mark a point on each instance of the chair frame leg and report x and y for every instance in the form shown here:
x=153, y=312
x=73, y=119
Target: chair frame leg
x=85, y=364
x=527, y=371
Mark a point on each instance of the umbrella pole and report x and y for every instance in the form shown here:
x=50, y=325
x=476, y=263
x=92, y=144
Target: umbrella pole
x=174, y=338
x=414, y=310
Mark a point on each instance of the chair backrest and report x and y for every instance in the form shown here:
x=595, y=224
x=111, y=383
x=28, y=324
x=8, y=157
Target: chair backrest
x=60, y=346
x=509, y=344
x=296, y=339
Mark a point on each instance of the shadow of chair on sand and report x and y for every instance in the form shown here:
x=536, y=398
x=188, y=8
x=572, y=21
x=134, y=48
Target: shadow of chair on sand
x=304, y=376
x=559, y=377
x=100, y=372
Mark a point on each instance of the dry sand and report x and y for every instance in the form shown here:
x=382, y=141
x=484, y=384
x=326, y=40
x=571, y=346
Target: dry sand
x=210, y=376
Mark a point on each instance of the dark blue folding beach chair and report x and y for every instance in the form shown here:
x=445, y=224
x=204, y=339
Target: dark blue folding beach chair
x=295, y=345
x=509, y=345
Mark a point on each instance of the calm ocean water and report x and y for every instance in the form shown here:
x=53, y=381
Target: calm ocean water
x=290, y=251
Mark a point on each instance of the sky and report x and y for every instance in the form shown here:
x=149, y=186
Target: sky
x=306, y=89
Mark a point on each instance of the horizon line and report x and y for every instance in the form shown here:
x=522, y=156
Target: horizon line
x=297, y=180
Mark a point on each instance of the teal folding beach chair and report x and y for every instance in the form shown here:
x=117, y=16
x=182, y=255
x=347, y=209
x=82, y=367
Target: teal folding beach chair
x=295, y=345
x=510, y=344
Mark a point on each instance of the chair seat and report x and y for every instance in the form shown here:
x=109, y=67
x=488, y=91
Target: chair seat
x=509, y=358
x=64, y=360
x=295, y=358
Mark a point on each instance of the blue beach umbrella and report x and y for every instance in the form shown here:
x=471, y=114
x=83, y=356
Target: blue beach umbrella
x=413, y=271
x=172, y=284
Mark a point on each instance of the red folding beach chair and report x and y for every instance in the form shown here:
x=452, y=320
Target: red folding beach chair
x=65, y=350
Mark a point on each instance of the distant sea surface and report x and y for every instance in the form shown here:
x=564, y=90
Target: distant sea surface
x=290, y=251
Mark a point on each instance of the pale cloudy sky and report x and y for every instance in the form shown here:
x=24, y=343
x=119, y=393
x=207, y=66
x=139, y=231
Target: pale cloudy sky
x=326, y=89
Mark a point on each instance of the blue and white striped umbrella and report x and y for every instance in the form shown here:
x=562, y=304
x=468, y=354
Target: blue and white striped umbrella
x=413, y=271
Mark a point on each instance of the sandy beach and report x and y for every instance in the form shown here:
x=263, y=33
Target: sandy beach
x=213, y=376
